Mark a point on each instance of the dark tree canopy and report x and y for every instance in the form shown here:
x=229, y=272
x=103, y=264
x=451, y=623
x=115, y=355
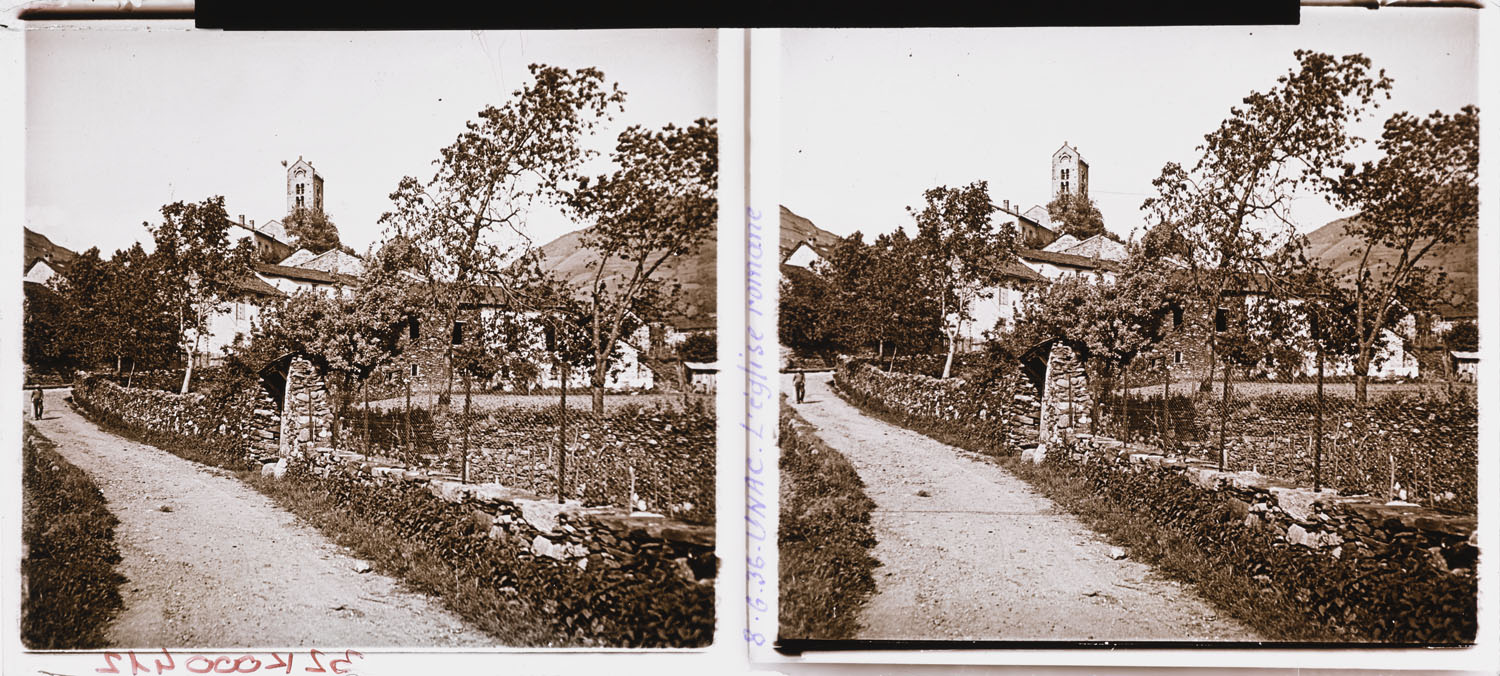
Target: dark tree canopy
x=1077, y=216
x=313, y=230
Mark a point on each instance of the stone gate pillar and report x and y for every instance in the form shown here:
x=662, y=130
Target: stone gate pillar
x=1066, y=404
x=306, y=418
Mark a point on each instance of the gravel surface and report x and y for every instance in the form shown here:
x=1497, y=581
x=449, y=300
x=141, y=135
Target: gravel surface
x=212, y=563
x=969, y=551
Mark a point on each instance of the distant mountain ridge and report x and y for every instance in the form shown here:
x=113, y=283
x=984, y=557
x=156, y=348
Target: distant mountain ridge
x=1341, y=252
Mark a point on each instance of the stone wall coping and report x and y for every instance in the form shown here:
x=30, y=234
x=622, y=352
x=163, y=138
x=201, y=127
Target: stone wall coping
x=544, y=514
x=1301, y=503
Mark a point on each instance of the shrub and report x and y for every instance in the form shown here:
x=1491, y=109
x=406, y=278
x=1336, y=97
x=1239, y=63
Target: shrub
x=825, y=537
x=68, y=568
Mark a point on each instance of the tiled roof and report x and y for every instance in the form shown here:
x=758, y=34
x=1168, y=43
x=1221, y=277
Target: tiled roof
x=1069, y=260
x=304, y=274
x=257, y=286
x=1098, y=245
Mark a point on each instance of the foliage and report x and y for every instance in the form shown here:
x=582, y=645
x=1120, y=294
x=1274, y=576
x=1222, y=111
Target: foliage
x=101, y=312
x=1109, y=323
x=861, y=295
x=803, y=320
x=662, y=455
x=72, y=590
x=47, y=345
x=660, y=203
x=826, y=572
x=196, y=267
x=1076, y=215
x=1228, y=210
x=700, y=347
x=1423, y=192
x=1463, y=337
x=961, y=250
x=464, y=228
x=312, y=229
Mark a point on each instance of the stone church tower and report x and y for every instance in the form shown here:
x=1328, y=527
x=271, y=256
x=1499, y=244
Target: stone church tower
x=1070, y=174
x=304, y=187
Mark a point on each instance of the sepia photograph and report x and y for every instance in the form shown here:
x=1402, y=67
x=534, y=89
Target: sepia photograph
x=1141, y=337
x=368, y=340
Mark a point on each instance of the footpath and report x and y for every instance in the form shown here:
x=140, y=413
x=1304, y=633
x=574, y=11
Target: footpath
x=969, y=551
x=212, y=563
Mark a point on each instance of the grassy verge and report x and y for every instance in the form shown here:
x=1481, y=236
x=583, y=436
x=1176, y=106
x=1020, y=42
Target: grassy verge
x=1258, y=606
x=71, y=589
x=825, y=537
x=503, y=615
x=1276, y=618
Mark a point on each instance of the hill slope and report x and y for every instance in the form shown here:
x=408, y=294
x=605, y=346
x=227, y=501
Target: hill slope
x=795, y=229
x=697, y=272
x=1341, y=252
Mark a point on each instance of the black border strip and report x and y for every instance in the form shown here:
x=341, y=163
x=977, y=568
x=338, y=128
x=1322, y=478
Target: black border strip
x=794, y=647
x=443, y=15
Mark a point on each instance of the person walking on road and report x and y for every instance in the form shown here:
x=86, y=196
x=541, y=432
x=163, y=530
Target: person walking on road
x=799, y=381
x=36, y=402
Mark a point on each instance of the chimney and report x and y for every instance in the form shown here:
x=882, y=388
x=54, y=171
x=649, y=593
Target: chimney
x=242, y=219
x=252, y=224
x=1007, y=205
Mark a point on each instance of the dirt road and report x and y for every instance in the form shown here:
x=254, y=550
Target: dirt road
x=969, y=551
x=212, y=563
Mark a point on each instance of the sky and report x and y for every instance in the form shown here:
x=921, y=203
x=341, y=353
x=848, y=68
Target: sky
x=124, y=117
x=872, y=118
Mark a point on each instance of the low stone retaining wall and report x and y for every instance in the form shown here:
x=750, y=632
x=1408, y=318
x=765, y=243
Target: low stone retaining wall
x=599, y=573
x=241, y=427
x=1002, y=417
x=1375, y=571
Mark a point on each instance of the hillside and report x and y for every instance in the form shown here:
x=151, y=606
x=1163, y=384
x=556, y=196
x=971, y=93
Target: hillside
x=795, y=228
x=1341, y=252
x=697, y=272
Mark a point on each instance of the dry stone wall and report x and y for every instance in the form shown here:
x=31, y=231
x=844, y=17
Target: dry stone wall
x=1001, y=416
x=598, y=572
x=242, y=426
x=1381, y=571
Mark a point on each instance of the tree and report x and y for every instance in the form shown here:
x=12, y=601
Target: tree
x=312, y=229
x=1230, y=208
x=660, y=203
x=806, y=320
x=466, y=224
x=961, y=250
x=698, y=347
x=45, y=340
x=1463, y=337
x=1077, y=215
x=1423, y=192
x=197, y=268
